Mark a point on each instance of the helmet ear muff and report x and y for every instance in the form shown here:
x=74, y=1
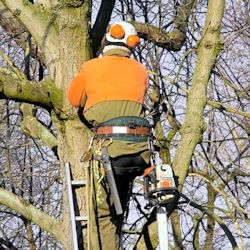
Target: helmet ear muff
x=116, y=31
x=133, y=41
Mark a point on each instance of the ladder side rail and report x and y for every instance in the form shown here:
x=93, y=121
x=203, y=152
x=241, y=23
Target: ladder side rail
x=71, y=205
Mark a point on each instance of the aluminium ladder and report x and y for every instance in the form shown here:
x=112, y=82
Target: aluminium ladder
x=70, y=185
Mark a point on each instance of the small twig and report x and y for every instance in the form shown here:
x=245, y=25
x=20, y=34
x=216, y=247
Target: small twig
x=170, y=80
x=18, y=73
x=237, y=206
x=235, y=33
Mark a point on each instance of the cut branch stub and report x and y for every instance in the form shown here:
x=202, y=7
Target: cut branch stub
x=171, y=41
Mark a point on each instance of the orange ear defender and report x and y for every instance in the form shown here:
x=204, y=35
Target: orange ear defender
x=133, y=41
x=117, y=31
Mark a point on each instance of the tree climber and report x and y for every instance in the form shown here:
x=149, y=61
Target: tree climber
x=111, y=89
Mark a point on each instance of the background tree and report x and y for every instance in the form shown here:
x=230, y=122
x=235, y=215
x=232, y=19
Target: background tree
x=198, y=105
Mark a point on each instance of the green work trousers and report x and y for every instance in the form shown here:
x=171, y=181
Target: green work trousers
x=105, y=225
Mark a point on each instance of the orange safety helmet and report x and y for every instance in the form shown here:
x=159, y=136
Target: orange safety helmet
x=121, y=35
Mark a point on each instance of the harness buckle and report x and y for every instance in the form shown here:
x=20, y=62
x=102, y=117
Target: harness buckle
x=132, y=125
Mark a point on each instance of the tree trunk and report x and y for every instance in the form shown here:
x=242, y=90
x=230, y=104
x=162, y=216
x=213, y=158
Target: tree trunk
x=73, y=135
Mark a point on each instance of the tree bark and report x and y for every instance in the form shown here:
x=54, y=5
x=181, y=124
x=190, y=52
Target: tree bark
x=175, y=222
x=73, y=136
x=194, y=125
x=169, y=40
x=40, y=24
x=44, y=93
x=64, y=41
x=210, y=221
x=17, y=31
x=31, y=213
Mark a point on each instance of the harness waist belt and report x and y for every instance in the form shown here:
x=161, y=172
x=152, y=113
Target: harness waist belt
x=107, y=130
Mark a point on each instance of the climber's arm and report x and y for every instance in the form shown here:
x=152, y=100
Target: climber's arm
x=76, y=91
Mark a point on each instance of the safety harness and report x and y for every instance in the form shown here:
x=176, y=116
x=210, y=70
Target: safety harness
x=159, y=183
x=125, y=128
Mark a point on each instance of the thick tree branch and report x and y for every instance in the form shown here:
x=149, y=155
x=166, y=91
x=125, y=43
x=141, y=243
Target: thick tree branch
x=44, y=93
x=101, y=24
x=32, y=127
x=30, y=212
x=183, y=12
x=194, y=125
x=15, y=29
x=172, y=40
x=37, y=23
x=211, y=195
x=46, y=3
x=175, y=222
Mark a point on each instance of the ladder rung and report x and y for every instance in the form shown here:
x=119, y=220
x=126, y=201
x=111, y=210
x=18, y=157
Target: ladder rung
x=81, y=218
x=78, y=183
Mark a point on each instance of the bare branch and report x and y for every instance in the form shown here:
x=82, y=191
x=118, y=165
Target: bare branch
x=194, y=125
x=242, y=93
x=172, y=40
x=211, y=103
x=18, y=74
x=218, y=190
x=216, y=218
x=32, y=127
x=227, y=108
x=30, y=212
x=37, y=22
x=8, y=244
x=101, y=23
x=44, y=93
x=17, y=31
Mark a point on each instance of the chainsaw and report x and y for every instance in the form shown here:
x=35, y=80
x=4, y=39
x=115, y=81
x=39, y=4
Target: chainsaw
x=160, y=190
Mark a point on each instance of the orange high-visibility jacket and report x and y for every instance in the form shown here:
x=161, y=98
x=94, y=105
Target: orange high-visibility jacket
x=109, y=78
